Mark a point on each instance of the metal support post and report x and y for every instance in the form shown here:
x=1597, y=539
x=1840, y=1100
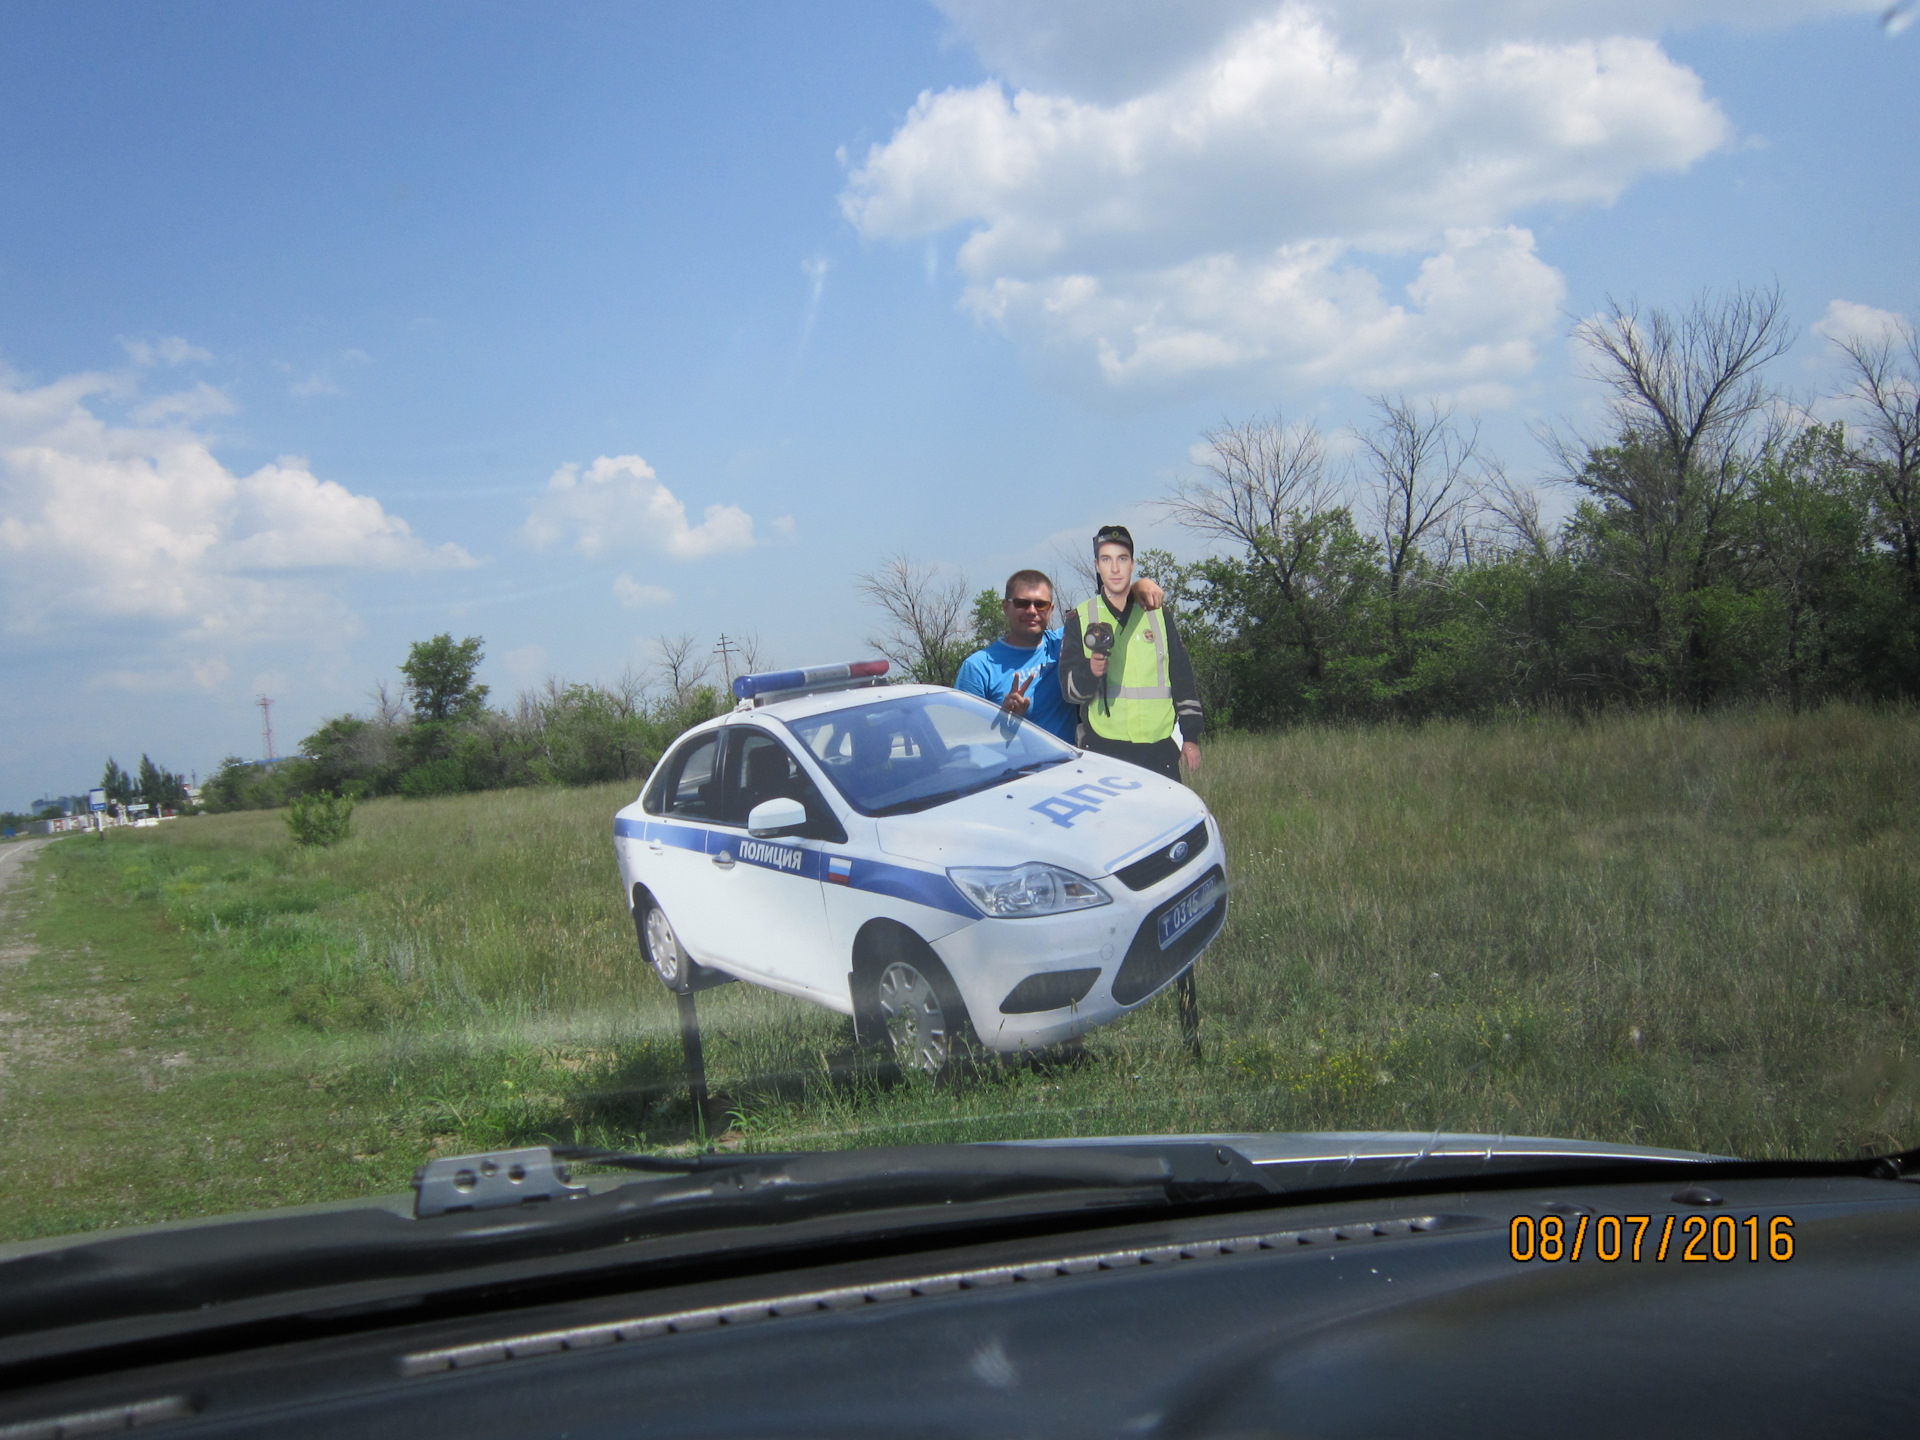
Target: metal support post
x=696, y=1062
x=1189, y=1009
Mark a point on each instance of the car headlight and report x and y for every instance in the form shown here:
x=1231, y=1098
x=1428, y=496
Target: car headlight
x=1018, y=891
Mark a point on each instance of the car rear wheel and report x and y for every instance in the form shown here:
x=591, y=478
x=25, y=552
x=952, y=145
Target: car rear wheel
x=662, y=948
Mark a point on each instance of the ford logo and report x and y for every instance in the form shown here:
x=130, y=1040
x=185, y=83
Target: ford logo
x=1178, y=852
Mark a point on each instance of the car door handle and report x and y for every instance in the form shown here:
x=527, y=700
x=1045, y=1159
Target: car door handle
x=657, y=847
x=724, y=859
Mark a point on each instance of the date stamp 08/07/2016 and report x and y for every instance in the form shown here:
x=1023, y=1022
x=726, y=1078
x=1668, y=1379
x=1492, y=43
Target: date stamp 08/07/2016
x=1639, y=1238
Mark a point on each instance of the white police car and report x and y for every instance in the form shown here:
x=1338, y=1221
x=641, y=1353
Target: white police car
x=918, y=859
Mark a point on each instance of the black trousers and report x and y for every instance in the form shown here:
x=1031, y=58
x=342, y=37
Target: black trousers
x=1161, y=756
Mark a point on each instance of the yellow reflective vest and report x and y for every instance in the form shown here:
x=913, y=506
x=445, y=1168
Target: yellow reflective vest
x=1137, y=704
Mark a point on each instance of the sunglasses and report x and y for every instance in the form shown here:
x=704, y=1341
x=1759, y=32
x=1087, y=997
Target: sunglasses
x=1031, y=604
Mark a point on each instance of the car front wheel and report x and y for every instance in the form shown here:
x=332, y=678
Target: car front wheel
x=924, y=1020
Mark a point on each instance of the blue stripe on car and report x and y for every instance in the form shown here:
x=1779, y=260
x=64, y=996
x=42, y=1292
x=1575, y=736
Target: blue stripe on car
x=921, y=887
x=901, y=882
x=681, y=837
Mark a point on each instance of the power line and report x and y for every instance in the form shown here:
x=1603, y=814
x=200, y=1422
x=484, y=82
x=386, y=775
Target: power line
x=725, y=649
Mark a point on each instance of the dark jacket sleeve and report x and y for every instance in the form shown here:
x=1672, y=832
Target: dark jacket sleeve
x=1186, y=695
x=1078, y=684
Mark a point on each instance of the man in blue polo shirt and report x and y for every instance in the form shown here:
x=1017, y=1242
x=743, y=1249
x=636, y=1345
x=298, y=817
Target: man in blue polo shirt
x=1019, y=672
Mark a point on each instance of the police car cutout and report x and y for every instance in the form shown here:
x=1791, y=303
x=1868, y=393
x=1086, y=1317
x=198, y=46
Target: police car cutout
x=915, y=857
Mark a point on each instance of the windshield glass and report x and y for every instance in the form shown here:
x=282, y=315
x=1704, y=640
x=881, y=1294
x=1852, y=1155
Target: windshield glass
x=914, y=752
x=1385, y=604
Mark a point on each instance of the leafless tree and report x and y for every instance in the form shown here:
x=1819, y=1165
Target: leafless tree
x=1885, y=372
x=1258, y=476
x=752, y=651
x=680, y=664
x=389, y=711
x=1423, y=467
x=1264, y=488
x=1512, y=511
x=1691, y=382
x=929, y=619
x=1688, y=397
x=1076, y=578
x=1691, y=414
x=630, y=691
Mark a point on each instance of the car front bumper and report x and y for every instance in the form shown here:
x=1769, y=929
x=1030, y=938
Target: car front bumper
x=989, y=960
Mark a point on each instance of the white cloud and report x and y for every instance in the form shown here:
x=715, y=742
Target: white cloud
x=815, y=269
x=106, y=522
x=1115, y=49
x=164, y=679
x=314, y=384
x=1307, y=310
x=1847, y=320
x=618, y=503
x=195, y=404
x=1178, y=191
x=167, y=350
x=634, y=596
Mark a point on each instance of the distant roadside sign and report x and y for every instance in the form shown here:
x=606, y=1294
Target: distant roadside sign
x=96, y=799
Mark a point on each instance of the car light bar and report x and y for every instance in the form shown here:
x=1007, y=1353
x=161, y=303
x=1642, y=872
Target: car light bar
x=814, y=677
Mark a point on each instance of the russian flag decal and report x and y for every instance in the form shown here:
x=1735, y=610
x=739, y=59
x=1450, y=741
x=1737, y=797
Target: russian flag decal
x=839, y=870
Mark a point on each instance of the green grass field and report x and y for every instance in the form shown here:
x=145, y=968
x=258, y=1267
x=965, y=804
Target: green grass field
x=1685, y=931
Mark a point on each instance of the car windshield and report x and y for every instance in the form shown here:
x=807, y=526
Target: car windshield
x=752, y=578
x=909, y=753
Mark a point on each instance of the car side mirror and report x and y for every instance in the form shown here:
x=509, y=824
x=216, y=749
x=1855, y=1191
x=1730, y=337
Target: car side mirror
x=778, y=816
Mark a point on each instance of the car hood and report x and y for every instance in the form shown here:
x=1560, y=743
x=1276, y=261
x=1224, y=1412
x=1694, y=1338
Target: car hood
x=1091, y=816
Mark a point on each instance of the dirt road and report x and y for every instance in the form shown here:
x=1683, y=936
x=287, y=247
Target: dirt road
x=13, y=856
x=16, y=949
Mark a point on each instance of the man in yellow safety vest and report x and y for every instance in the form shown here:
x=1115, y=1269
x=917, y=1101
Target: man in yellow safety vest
x=1127, y=670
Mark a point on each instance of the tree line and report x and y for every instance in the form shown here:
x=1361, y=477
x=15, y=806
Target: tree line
x=154, y=785
x=440, y=737
x=1723, y=543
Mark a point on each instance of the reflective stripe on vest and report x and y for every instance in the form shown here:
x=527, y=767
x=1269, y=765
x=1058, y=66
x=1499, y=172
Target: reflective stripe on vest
x=1139, y=709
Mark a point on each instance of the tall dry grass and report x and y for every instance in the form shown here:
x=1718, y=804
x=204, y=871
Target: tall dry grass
x=1685, y=930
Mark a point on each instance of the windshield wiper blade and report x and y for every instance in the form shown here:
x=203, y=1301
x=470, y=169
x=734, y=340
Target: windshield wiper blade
x=1032, y=768
x=757, y=1189
x=925, y=802
x=190, y=1269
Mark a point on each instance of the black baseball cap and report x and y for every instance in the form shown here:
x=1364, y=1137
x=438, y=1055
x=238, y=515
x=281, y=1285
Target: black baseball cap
x=1112, y=535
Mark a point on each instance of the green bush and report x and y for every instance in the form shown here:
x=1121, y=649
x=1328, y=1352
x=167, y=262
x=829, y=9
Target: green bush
x=321, y=819
x=445, y=776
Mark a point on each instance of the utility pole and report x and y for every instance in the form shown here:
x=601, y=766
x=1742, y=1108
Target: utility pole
x=724, y=649
x=265, y=702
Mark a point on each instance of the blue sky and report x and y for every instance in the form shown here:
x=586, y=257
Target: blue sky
x=303, y=309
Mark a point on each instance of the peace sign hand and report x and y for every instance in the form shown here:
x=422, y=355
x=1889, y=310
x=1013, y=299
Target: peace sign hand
x=1018, y=699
